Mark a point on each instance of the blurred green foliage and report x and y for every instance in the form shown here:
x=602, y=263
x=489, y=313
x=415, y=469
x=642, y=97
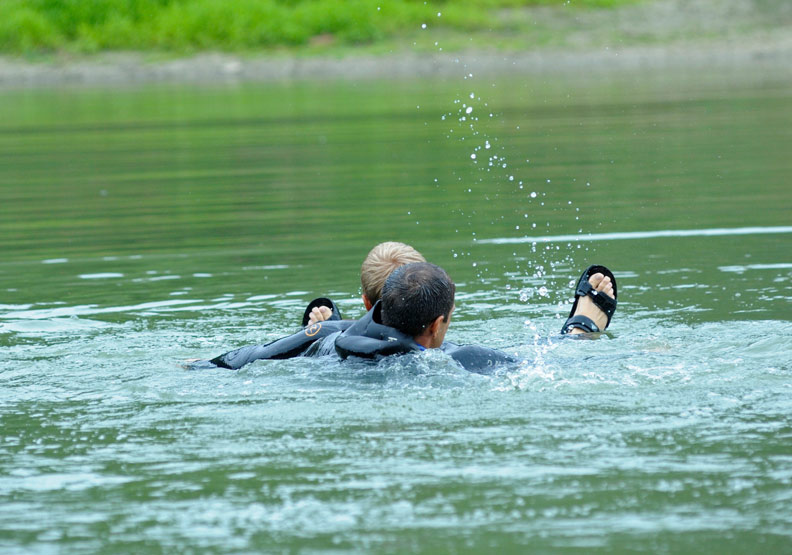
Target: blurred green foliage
x=33, y=26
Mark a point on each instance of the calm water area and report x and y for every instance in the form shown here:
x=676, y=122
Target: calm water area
x=143, y=226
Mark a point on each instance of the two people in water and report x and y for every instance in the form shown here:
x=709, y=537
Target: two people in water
x=409, y=306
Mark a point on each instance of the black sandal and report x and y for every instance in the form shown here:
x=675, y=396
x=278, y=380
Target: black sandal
x=321, y=301
x=604, y=302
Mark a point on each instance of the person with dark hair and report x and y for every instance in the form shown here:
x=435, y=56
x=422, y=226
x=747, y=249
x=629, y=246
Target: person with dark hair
x=322, y=317
x=419, y=300
x=414, y=314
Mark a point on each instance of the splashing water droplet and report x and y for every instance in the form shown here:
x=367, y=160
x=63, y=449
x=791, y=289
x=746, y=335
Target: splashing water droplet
x=533, y=194
x=469, y=109
x=473, y=156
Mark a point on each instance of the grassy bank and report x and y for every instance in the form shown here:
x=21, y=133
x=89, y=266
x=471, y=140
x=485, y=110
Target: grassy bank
x=186, y=26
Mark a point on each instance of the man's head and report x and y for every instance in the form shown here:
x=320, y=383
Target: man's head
x=418, y=300
x=380, y=263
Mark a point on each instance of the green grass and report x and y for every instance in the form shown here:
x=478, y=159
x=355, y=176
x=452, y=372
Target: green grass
x=183, y=26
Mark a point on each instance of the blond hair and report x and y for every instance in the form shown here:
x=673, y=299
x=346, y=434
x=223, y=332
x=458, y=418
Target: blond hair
x=380, y=262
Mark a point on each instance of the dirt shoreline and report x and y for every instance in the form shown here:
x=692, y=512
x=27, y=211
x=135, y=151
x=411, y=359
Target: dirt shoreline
x=737, y=38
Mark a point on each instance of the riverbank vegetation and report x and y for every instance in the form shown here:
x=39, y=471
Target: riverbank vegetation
x=185, y=26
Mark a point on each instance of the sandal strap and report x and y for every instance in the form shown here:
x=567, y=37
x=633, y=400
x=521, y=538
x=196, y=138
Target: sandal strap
x=604, y=302
x=580, y=322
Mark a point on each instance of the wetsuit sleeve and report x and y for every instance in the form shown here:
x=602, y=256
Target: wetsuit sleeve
x=478, y=359
x=286, y=347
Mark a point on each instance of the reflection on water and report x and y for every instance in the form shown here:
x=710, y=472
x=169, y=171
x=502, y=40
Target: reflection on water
x=141, y=228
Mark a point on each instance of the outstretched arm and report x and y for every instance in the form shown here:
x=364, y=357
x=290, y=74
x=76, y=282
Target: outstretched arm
x=286, y=347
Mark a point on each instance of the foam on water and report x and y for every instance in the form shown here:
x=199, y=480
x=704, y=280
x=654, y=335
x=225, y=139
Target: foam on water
x=633, y=433
x=663, y=233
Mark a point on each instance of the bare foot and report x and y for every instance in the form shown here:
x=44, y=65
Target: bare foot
x=586, y=306
x=319, y=314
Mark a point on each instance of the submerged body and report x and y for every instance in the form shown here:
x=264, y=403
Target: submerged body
x=370, y=338
x=366, y=338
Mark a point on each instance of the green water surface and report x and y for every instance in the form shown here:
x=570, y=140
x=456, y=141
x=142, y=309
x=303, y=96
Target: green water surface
x=140, y=227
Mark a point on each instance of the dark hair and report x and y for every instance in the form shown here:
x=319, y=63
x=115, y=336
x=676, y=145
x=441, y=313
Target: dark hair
x=414, y=295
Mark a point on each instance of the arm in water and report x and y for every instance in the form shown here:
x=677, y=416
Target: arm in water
x=477, y=359
x=286, y=347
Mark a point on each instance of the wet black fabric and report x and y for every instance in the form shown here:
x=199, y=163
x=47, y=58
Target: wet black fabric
x=478, y=359
x=366, y=338
x=286, y=347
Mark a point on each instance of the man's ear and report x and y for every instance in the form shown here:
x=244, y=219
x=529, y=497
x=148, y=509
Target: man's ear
x=435, y=325
x=366, y=302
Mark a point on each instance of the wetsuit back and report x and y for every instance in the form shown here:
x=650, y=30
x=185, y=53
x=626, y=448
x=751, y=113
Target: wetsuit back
x=368, y=338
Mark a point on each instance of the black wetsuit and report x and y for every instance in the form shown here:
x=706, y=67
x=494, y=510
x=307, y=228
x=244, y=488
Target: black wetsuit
x=369, y=338
x=291, y=346
x=366, y=338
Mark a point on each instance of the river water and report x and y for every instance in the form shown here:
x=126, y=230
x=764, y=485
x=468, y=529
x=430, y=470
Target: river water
x=140, y=227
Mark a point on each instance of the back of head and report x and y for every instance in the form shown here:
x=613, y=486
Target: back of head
x=380, y=263
x=415, y=295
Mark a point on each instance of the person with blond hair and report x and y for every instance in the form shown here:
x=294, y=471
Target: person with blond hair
x=377, y=266
x=322, y=317
x=411, y=312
